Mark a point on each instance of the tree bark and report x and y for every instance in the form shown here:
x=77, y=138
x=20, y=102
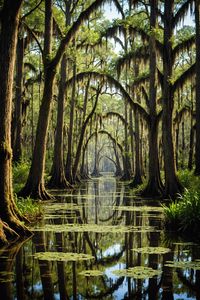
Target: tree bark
x=69, y=160
x=17, y=124
x=137, y=180
x=35, y=183
x=172, y=185
x=197, y=90
x=81, y=138
x=154, y=185
x=58, y=174
x=8, y=41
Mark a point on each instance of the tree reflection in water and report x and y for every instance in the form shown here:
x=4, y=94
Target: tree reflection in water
x=103, y=201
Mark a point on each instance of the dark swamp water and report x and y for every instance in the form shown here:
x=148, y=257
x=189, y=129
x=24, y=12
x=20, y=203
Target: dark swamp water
x=100, y=243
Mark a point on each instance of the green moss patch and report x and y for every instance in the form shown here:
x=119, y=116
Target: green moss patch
x=60, y=256
x=138, y=272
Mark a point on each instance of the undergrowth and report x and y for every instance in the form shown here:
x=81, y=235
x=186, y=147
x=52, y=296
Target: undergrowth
x=183, y=214
x=20, y=175
x=28, y=207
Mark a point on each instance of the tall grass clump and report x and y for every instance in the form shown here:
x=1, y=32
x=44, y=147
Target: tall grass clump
x=27, y=207
x=183, y=215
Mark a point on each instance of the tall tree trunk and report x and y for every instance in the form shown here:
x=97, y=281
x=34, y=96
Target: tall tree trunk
x=8, y=41
x=127, y=164
x=172, y=185
x=69, y=160
x=95, y=171
x=154, y=185
x=35, y=183
x=58, y=174
x=137, y=180
x=197, y=148
x=132, y=139
x=118, y=165
x=81, y=138
x=17, y=124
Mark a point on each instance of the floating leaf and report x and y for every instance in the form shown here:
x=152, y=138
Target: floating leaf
x=94, y=228
x=152, y=250
x=60, y=256
x=138, y=272
x=139, y=208
x=195, y=265
x=91, y=273
x=61, y=206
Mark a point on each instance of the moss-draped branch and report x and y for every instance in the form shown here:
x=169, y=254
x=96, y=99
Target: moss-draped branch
x=106, y=78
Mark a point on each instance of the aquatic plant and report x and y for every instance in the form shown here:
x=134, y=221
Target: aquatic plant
x=152, y=250
x=61, y=256
x=94, y=228
x=144, y=208
x=91, y=273
x=138, y=272
x=195, y=265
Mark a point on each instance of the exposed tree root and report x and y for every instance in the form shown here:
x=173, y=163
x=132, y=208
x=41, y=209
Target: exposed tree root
x=154, y=188
x=8, y=235
x=60, y=182
x=137, y=180
x=35, y=192
x=173, y=190
x=126, y=177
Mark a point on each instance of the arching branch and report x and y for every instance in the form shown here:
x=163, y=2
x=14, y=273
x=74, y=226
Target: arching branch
x=106, y=78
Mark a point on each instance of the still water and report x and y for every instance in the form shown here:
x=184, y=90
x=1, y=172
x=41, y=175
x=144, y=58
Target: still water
x=100, y=242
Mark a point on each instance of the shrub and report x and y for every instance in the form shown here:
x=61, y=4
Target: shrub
x=29, y=208
x=184, y=214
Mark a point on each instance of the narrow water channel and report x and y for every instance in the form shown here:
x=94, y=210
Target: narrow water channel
x=100, y=242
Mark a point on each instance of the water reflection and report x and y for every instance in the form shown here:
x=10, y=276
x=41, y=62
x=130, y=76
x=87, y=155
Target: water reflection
x=106, y=204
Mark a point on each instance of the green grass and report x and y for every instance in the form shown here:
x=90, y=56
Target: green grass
x=183, y=215
x=29, y=208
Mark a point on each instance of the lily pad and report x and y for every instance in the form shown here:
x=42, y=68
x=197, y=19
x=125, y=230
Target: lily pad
x=138, y=272
x=195, y=265
x=60, y=256
x=62, y=206
x=139, y=208
x=152, y=250
x=94, y=228
x=91, y=273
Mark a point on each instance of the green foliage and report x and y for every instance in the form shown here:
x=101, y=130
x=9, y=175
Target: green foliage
x=189, y=180
x=184, y=214
x=29, y=208
x=20, y=174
